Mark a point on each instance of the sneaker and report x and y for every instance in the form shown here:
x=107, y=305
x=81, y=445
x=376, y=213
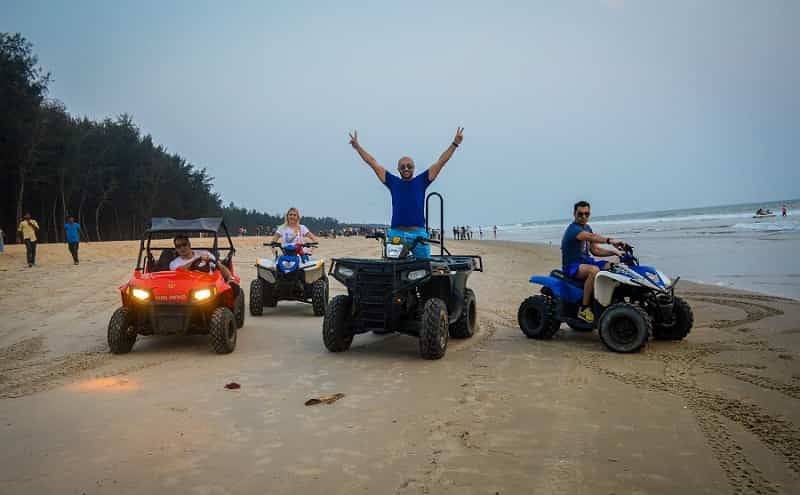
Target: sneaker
x=586, y=314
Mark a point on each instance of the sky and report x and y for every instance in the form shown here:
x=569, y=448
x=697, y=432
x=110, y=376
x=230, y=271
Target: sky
x=631, y=105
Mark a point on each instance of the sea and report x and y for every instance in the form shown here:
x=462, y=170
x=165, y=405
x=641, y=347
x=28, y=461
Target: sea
x=720, y=245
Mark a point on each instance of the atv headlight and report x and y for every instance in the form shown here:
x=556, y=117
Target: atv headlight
x=287, y=264
x=345, y=271
x=666, y=280
x=140, y=295
x=653, y=276
x=203, y=294
x=394, y=250
x=417, y=275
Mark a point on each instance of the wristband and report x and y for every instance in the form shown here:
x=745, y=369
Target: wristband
x=454, y=144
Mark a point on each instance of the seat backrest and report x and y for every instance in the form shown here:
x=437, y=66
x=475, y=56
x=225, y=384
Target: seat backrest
x=166, y=257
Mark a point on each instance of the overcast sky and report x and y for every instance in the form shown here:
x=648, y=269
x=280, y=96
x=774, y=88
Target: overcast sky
x=633, y=105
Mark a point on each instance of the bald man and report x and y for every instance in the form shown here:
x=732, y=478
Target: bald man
x=408, y=192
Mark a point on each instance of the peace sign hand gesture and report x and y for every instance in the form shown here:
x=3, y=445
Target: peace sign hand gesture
x=459, y=136
x=354, y=139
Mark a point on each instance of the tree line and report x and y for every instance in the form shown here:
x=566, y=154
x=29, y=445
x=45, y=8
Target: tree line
x=106, y=174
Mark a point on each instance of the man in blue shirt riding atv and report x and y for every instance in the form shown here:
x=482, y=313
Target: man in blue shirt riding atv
x=408, y=192
x=577, y=263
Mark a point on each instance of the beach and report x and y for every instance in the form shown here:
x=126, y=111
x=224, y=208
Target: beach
x=499, y=414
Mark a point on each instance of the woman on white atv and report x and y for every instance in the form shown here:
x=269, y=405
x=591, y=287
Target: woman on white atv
x=292, y=232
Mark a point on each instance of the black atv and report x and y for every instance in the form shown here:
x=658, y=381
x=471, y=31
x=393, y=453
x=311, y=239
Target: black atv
x=425, y=298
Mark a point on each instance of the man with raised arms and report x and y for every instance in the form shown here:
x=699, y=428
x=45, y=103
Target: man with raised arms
x=577, y=245
x=408, y=192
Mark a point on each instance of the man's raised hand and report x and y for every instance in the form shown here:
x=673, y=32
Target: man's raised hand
x=354, y=139
x=459, y=135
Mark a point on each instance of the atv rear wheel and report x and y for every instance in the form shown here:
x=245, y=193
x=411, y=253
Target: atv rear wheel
x=537, y=317
x=624, y=327
x=465, y=326
x=222, y=331
x=257, y=297
x=319, y=296
x=121, y=331
x=238, y=308
x=682, y=318
x=433, y=334
x=337, y=333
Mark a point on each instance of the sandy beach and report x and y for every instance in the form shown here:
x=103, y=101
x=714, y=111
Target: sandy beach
x=499, y=414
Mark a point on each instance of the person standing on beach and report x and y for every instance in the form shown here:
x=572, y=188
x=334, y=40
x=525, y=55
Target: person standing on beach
x=2, y=241
x=495, y=231
x=73, y=231
x=28, y=228
x=408, y=192
x=577, y=245
x=783, y=210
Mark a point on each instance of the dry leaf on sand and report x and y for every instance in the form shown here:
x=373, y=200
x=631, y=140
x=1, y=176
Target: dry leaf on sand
x=325, y=399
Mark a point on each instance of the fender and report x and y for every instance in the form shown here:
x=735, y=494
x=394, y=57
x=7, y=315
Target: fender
x=560, y=289
x=605, y=283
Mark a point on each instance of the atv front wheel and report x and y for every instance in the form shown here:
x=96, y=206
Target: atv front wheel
x=336, y=331
x=465, y=326
x=624, y=327
x=121, y=331
x=238, y=307
x=537, y=317
x=433, y=335
x=222, y=331
x=682, y=321
x=319, y=296
x=257, y=297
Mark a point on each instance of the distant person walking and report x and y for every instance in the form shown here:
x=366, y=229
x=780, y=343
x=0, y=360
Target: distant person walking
x=480, y=231
x=783, y=210
x=28, y=228
x=73, y=231
x=495, y=231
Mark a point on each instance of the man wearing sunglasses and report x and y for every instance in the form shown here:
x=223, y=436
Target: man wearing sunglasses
x=187, y=256
x=408, y=192
x=577, y=246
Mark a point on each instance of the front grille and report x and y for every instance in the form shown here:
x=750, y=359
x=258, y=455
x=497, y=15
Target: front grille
x=374, y=284
x=169, y=319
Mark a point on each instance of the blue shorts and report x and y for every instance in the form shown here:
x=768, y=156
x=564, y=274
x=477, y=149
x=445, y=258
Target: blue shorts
x=572, y=269
x=421, y=251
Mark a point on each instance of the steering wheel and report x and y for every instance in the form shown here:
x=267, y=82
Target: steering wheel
x=195, y=266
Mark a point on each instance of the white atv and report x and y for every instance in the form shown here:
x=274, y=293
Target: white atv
x=292, y=276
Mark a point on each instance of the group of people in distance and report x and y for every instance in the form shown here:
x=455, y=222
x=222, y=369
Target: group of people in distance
x=407, y=191
x=29, y=228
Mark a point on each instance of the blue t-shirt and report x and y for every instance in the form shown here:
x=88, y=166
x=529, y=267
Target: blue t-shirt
x=72, y=230
x=572, y=249
x=408, y=199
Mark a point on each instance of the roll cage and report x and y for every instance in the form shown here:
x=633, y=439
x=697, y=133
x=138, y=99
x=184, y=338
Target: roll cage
x=165, y=228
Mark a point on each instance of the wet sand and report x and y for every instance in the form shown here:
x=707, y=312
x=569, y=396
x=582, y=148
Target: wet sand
x=716, y=413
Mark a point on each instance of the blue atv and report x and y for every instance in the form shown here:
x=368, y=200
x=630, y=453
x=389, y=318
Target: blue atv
x=631, y=302
x=292, y=276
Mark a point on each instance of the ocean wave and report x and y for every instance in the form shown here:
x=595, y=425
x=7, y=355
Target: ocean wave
x=769, y=226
